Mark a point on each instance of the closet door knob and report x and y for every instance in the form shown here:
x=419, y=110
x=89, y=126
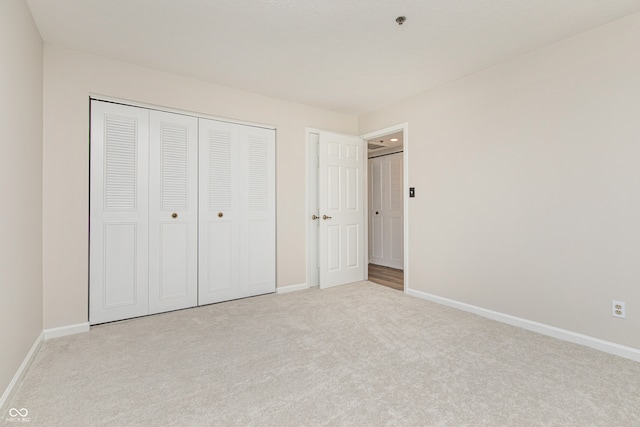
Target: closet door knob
x=220, y=214
x=314, y=217
x=174, y=215
x=325, y=217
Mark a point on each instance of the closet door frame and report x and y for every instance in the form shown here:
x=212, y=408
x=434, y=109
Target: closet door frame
x=143, y=258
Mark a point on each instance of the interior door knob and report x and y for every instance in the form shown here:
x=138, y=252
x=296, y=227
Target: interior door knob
x=325, y=217
x=314, y=217
x=174, y=215
x=220, y=214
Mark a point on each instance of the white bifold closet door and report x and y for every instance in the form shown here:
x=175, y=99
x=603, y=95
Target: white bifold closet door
x=143, y=238
x=237, y=211
x=119, y=199
x=173, y=212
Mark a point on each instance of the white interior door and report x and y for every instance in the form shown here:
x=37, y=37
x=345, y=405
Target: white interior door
x=341, y=205
x=173, y=212
x=386, y=235
x=118, y=264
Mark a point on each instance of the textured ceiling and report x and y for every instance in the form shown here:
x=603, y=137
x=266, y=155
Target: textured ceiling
x=343, y=55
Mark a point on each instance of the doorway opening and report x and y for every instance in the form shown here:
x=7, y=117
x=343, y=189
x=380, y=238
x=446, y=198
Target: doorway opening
x=314, y=261
x=385, y=210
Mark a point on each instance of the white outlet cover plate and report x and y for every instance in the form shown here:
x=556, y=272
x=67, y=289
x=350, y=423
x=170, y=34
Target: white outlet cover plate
x=618, y=309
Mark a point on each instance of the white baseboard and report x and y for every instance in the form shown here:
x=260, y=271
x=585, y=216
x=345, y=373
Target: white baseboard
x=22, y=370
x=62, y=331
x=291, y=288
x=541, y=328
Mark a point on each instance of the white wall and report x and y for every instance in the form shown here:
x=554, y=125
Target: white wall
x=527, y=181
x=21, y=186
x=69, y=78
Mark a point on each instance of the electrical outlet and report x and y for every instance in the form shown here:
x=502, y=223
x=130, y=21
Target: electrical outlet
x=618, y=309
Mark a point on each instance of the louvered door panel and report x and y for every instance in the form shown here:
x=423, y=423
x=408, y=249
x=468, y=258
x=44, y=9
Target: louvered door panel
x=258, y=238
x=120, y=162
x=219, y=218
x=219, y=168
x=173, y=211
x=118, y=212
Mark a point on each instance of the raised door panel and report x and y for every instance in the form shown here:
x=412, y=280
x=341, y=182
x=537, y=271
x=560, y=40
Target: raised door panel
x=377, y=251
x=334, y=246
x=220, y=212
x=220, y=277
x=120, y=254
x=396, y=250
x=118, y=250
x=173, y=211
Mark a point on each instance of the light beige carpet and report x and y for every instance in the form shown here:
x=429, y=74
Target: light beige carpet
x=360, y=354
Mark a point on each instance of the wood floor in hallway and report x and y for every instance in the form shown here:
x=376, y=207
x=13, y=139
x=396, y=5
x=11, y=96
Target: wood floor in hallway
x=386, y=276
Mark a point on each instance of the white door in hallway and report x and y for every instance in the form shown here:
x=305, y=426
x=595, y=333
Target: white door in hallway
x=118, y=265
x=173, y=211
x=341, y=209
x=386, y=235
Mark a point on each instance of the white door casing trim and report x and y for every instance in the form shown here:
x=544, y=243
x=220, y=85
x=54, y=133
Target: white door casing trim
x=312, y=226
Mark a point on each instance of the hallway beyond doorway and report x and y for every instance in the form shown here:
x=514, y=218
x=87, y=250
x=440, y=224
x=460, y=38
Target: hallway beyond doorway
x=385, y=276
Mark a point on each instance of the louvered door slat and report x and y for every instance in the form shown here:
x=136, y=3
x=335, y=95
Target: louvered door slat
x=120, y=155
x=219, y=196
x=174, y=174
x=258, y=173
